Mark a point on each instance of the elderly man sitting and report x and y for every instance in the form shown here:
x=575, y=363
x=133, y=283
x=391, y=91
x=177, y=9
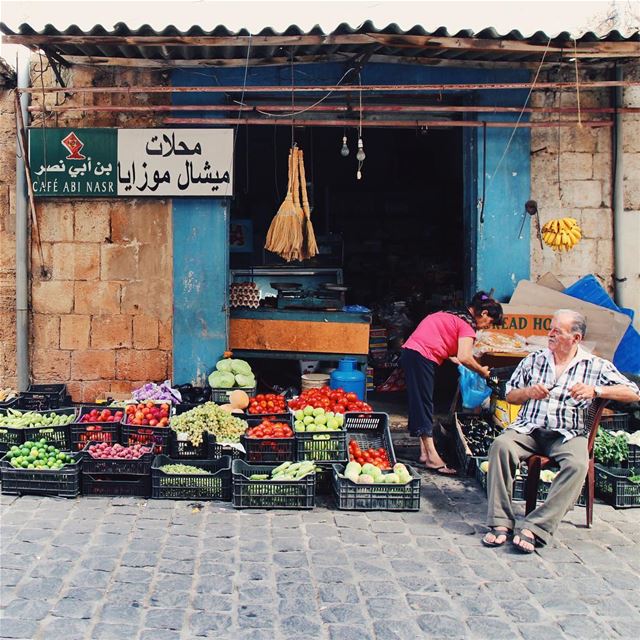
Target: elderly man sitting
x=555, y=386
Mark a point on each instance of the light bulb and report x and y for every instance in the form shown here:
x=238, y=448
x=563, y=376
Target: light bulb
x=359, y=175
x=360, y=155
x=344, y=152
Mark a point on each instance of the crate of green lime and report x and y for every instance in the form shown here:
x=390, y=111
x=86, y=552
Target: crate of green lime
x=39, y=467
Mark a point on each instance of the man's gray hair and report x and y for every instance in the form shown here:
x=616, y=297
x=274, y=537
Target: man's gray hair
x=578, y=321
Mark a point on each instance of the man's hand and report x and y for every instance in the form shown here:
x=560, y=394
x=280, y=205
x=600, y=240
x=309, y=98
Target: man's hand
x=581, y=391
x=537, y=392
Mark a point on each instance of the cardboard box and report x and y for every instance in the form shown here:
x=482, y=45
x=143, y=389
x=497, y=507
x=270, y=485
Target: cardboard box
x=504, y=413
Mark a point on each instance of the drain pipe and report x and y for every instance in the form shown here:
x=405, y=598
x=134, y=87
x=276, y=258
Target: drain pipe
x=22, y=238
x=625, y=228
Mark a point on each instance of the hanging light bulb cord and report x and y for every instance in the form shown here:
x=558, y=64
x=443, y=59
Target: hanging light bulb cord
x=360, y=155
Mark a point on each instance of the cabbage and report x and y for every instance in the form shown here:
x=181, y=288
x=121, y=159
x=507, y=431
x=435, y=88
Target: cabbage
x=224, y=365
x=240, y=366
x=221, y=380
x=243, y=380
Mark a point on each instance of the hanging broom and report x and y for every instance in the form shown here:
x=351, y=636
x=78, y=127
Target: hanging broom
x=309, y=245
x=284, y=237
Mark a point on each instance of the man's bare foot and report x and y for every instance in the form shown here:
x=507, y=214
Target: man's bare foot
x=525, y=541
x=496, y=537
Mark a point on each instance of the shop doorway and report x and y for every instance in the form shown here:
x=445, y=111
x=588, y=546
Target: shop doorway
x=400, y=226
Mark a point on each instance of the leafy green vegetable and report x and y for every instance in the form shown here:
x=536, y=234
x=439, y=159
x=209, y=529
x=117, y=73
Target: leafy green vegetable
x=221, y=380
x=224, y=365
x=610, y=450
x=240, y=366
x=244, y=380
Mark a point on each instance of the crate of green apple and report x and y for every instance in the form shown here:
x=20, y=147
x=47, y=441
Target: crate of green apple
x=320, y=435
x=334, y=400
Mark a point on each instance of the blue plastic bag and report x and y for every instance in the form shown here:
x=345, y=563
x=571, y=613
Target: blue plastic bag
x=473, y=388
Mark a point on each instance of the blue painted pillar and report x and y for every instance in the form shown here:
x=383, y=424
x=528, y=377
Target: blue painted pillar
x=200, y=285
x=502, y=254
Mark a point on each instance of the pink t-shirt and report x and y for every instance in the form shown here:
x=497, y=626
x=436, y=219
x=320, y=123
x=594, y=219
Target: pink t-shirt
x=436, y=337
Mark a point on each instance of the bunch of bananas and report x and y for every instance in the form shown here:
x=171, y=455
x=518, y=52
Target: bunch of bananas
x=561, y=234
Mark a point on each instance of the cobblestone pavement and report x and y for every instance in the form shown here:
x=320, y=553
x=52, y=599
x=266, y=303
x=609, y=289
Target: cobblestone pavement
x=134, y=569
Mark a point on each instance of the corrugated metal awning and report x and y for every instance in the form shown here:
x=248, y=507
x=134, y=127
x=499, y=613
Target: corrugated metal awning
x=171, y=47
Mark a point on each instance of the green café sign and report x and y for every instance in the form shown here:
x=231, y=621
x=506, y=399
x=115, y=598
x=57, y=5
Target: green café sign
x=131, y=162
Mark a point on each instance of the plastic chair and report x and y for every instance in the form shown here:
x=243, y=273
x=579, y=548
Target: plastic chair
x=536, y=463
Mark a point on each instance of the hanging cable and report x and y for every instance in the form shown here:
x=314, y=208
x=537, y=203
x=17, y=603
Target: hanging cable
x=360, y=154
x=484, y=171
x=294, y=113
x=515, y=128
x=575, y=59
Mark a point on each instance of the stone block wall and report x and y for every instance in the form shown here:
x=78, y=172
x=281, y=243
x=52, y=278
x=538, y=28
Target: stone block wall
x=572, y=175
x=7, y=239
x=102, y=310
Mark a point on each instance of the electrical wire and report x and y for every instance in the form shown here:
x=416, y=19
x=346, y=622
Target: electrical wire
x=292, y=113
x=515, y=128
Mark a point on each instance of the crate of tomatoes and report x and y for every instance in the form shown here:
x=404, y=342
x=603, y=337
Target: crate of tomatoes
x=267, y=404
x=146, y=423
x=267, y=441
x=335, y=400
x=368, y=434
x=101, y=424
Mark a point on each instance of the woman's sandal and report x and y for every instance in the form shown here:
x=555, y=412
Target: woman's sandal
x=524, y=538
x=496, y=534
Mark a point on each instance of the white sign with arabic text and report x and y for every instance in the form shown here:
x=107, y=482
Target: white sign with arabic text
x=175, y=162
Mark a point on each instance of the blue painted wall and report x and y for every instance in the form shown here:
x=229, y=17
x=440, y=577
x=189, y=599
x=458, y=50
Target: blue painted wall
x=495, y=257
x=200, y=285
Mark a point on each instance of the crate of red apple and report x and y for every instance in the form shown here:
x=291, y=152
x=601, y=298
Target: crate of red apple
x=96, y=423
x=334, y=400
x=100, y=415
x=153, y=414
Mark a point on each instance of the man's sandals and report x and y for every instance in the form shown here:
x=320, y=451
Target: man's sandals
x=499, y=537
x=526, y=538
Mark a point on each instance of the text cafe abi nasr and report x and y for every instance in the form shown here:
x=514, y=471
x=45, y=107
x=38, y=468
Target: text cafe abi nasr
x=131, y=162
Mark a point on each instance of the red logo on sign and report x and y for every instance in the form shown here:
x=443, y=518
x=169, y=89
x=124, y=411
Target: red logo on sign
x=74, y=145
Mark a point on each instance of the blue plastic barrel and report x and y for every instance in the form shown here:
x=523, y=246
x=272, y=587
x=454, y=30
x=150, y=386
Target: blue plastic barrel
x=348, y=377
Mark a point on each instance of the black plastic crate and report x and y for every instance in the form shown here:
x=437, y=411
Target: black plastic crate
x=82, y=433
x=185, y=449
x=214, y=486
x=615, y=422
x=143, y=434
x=324, y=447
x=115, y=485
x=613, y=486
x=268, y=450
x=520, y=488
x=10, y=436
x=216, y=450
x=64, y=482
x=270, y=494
x=274, y=417
x=376, y=497
x=58, y=435
x=9, y=403
x=370, y=431
x=139, y=466
x=221, y=396
x=633, y=460
x=464, y=454
x=481, y=476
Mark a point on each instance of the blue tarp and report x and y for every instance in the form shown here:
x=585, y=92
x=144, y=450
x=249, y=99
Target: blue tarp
x=627, y=355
